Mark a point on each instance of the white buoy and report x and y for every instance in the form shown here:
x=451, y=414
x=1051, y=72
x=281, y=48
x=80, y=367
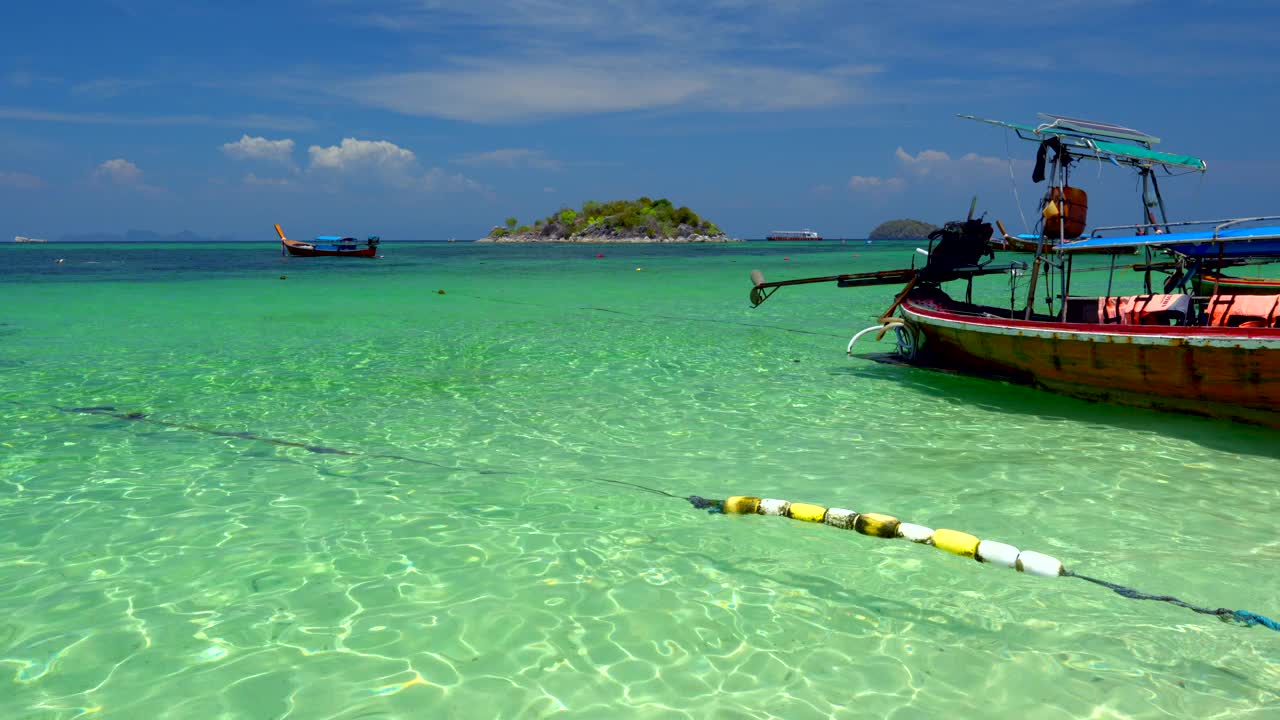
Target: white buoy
x=997, y=553
x=770, y=506
x=1034, y=563
x=915, y=533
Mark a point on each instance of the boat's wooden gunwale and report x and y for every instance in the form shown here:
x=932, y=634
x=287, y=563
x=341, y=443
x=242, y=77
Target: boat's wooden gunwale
x=1230, y=373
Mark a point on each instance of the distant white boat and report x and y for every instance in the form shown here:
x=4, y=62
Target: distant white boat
x=793, y=235
x=20, y=239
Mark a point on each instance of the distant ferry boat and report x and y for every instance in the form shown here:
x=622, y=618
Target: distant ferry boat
x=20, y=239
x=794, y=235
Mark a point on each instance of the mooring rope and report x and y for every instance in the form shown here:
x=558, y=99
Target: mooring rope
x=139, y=417
x=954, y=542
x=1243, y=617
x=870, y=524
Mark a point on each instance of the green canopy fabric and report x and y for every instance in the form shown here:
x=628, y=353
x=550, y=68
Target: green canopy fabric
x=1078, y=140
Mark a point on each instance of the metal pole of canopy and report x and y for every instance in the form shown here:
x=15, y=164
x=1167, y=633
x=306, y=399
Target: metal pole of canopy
x=1217, y=273
x=1066, y=287
x=1035, y=266
x=1146, y=188
x=1164, y=218
x=1147, y=276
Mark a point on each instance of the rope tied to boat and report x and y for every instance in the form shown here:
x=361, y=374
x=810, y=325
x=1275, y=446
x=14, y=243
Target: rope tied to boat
x=1028, y=562
x=883, y=326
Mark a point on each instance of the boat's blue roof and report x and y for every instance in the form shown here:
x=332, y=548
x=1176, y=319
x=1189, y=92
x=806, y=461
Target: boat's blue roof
x=1254, y=241
x=334, y=238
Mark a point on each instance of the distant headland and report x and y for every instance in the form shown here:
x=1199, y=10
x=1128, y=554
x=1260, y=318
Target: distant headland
x=904, y=229
x=617, y=221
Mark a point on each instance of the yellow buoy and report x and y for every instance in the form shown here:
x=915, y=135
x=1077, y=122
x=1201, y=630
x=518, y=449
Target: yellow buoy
x=806, y=512
x=742, y=504
x=955, y=542
x=877, y=525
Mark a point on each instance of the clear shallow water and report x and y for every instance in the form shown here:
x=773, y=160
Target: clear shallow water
x=471, y=557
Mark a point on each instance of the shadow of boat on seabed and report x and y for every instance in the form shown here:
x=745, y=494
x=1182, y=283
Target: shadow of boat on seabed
x=1003, y=396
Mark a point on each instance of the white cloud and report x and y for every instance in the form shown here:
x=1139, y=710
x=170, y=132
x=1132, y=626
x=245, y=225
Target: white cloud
x=119, y=171
x=438, y=179
x=923, y=162
x=267, y=182
x=385, y=163
x=502, y=91
x=511, y=157
x=872, y=182
x=270, y=122
x=927, y=162
x=21, y=181
x=929, y=166
x=260, y=148
x=104, y=88
x=378, y=158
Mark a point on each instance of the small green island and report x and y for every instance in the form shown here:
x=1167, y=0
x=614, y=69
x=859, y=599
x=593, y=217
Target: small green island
x=904, y=229
x=617, y=221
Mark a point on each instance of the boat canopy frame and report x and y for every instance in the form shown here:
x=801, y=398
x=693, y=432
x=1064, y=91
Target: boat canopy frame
x=1100, y=144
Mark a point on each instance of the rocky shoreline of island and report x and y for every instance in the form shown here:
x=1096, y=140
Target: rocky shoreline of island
x=619, y=221
x=593, y=239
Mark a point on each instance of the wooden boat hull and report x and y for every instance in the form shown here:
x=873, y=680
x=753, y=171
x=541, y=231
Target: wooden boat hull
x=1227, y=285
x=298, y=249
x=1228, y=373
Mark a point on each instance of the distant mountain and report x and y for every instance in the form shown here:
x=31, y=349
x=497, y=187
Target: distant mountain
x=904, y=229
x=186, y=236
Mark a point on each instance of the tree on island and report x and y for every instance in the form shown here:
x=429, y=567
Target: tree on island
x=904, y=229
x=657, y=220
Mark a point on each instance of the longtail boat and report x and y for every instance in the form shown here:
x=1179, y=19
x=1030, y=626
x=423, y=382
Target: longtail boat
x=1176, y=345
x=1206, y=280
x=329, y=246
x=1027, y=242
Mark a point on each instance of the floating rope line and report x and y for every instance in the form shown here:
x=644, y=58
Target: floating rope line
x=878, y=525
x=111, y=411
x=955, y=542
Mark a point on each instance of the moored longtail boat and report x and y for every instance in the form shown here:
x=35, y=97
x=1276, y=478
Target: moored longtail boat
x=1168, y=347
x=329, y=246
x=1205, y=281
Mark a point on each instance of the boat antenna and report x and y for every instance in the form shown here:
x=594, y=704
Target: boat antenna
x=972, y=206
x=1013, y=182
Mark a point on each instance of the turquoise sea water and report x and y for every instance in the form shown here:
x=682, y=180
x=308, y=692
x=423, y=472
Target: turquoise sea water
x=456, y=541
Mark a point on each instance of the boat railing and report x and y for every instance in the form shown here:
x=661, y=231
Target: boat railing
x=1219, y=225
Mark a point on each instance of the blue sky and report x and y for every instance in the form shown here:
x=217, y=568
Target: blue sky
x=418, y=119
